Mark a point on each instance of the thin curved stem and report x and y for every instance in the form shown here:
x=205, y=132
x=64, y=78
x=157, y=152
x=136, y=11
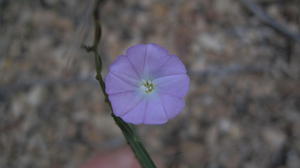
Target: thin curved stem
x=128, y=130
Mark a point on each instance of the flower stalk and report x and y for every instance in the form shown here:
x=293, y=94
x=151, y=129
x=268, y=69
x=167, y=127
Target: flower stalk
x=128, y=131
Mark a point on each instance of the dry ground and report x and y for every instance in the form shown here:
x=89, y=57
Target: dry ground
x=243, y=108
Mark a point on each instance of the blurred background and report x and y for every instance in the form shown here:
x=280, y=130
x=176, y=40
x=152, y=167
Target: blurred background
x=242, y=111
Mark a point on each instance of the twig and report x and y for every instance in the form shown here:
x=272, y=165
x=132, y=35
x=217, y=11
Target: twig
x=269, y=21
x=208, y=72
x=127, y=130
x=225, y=71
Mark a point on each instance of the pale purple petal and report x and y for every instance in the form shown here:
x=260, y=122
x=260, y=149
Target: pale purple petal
x=123, y=68
x=164, y=74
x=155, y=112
x=156, y=56
x=123, y=103
x=172, y=105
x=171, y=67
x=175, y=85
x=118, y=84
x=137, y=114
x=136, y=56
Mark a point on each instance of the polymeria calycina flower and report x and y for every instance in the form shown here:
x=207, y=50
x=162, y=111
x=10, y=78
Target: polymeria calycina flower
x=147, y=85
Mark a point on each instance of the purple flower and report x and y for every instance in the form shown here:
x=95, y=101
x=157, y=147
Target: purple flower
x=147, y=85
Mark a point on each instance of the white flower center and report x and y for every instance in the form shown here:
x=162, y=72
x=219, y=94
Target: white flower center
x=147, y=86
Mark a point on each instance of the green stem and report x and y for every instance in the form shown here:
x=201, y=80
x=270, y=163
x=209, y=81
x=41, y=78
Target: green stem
x=131, y=137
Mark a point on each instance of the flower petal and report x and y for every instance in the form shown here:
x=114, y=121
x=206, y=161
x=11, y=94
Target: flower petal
x=136, y=115
x=123, y=67
x=172, y=105
x=171, y=67
x=118, y=84
x=136, y=56
x=155, y=113
x=122, y=103
x=176, y=85
x=156, y=56
x=141, y=63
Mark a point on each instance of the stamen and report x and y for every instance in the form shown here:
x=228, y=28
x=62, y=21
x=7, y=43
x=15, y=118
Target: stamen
x=148, y=86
